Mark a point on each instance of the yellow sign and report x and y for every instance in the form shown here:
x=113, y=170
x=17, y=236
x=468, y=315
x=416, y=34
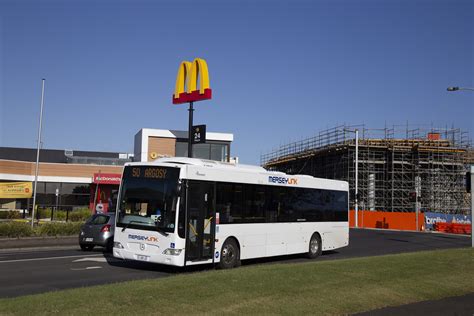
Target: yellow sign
x=189, y=74
x=16, y=190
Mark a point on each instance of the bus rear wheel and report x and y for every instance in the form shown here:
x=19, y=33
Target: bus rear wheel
x=315, y=246
x=230, y=255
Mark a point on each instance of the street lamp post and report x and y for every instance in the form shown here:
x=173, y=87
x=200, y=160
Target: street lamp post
x=356, y=198
x=37, y=153
x=471, y=174
x=451, y=89
x=356, y=211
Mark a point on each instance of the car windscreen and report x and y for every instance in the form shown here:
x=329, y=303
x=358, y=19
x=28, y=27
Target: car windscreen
x=148, y=198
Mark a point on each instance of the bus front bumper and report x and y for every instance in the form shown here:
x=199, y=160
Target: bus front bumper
x=168, y=259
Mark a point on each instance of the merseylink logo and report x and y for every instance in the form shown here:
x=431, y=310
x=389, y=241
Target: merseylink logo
x=282, y=180
x=143, y=238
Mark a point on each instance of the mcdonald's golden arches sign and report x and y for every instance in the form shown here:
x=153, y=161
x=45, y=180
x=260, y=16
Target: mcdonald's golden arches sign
x=186, y=89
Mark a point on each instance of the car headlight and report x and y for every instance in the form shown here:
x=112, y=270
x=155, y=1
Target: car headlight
x=172, y=252
x=82, y=233
x=118, y=245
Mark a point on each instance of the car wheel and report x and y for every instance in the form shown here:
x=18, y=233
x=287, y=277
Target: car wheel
x=315, y=246
x=230, y=255
x=87, y=247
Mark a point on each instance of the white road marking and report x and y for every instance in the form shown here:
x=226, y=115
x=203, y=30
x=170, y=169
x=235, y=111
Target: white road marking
x=87, y=268
x=49, y=258
x=91, y=259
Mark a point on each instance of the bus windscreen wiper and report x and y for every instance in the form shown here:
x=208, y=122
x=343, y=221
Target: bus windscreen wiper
x=128, y=224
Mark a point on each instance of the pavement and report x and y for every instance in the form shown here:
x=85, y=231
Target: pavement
x=38, y=242
x=457, y=305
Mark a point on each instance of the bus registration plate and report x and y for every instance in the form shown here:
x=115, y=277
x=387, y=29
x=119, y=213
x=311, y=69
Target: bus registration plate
x=142, y=258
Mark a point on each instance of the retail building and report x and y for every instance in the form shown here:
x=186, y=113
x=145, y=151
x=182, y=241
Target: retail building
x=71, y=179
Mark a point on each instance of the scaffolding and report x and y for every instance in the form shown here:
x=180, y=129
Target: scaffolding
x=394, y=163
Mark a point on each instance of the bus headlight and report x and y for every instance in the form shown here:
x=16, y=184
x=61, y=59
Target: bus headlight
x=172, y=252
x=118, y=245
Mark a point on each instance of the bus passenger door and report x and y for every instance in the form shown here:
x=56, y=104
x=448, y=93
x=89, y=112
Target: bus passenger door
x=201, y=221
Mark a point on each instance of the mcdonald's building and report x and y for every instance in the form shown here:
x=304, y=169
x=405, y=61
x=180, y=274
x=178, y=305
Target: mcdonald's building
x=74, y=179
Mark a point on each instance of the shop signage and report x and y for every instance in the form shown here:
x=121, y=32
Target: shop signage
x=186, y=89
x=16, y=190
x=107, y=178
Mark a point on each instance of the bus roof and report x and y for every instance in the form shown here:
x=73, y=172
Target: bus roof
x=202, y=163
x=224, y=166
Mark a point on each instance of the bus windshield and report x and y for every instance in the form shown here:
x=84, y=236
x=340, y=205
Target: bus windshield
x=148, y=198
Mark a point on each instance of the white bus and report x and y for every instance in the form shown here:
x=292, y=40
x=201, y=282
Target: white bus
x=186, y=211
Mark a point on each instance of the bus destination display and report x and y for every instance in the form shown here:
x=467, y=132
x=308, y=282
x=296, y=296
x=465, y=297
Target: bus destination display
x=149, y=173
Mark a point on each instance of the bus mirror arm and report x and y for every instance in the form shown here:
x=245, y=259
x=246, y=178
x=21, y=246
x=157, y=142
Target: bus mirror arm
x=179, y=187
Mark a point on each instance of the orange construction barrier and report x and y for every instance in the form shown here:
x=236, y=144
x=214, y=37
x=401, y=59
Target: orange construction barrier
x=453, y=228
x=387, y=220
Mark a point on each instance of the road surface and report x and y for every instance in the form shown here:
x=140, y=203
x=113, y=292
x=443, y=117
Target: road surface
x=42, y=270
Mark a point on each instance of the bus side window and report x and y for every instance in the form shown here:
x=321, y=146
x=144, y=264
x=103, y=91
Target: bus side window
x=224, y=198
x=271, y=205
x=284, y=205
x=236, y=207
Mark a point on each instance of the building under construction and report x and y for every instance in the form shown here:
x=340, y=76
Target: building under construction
x=398, y=167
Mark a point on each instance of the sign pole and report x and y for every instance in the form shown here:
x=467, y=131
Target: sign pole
x=37, y=153
x=57, y=202
x=95, y=194
x=190, y=128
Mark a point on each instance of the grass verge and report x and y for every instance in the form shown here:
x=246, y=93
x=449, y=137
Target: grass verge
x=317, y=287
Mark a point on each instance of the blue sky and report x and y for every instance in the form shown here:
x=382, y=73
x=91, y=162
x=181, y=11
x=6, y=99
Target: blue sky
x=280, y=70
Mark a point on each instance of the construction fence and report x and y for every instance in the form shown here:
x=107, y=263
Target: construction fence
x=447, y=223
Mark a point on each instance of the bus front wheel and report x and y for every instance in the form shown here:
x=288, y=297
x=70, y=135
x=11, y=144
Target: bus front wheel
x=230, y=255
x=315, y=246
